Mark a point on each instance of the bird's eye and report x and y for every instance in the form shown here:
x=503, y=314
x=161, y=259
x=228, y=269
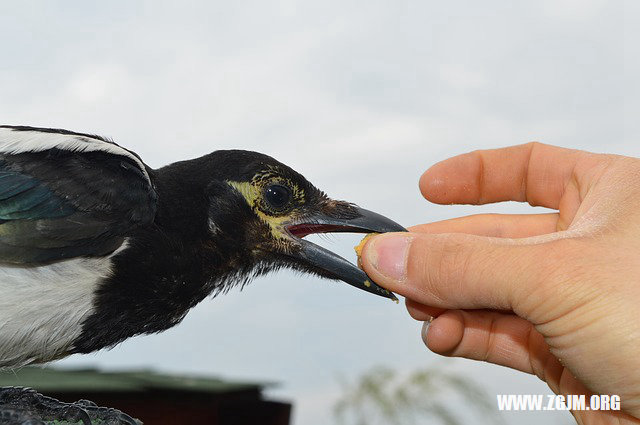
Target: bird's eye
x=277, y=196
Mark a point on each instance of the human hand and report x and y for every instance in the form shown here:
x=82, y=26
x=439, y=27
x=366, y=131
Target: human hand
x=556, y=295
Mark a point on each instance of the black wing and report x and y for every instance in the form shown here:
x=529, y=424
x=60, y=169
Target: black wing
x=65, y=195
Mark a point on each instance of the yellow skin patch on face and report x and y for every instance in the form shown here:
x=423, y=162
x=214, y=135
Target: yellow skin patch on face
x=253, y=194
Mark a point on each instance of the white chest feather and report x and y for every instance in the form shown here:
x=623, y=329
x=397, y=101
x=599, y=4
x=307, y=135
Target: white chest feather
x=42, y=308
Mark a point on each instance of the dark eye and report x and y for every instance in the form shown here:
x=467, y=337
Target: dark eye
x=277, y=196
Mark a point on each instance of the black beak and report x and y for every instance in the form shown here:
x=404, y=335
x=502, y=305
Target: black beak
x=359, y=221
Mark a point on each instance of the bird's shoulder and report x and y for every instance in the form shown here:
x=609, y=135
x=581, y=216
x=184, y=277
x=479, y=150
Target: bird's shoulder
x=65, y=194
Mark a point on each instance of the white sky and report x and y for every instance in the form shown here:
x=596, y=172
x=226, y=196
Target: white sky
x=361, y=97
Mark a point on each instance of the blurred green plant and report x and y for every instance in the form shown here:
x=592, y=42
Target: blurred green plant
x=382, y=396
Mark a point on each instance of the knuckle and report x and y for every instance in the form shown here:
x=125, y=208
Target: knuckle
x=556, y=277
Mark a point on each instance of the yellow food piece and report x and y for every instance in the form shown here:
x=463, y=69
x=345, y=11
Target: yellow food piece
x=359, y=247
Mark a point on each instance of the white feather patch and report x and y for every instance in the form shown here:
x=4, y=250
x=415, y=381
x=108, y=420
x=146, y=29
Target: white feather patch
x=13, y=142
x=42, y=308
x=213, y=227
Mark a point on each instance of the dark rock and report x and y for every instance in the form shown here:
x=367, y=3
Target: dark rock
x=25, y=406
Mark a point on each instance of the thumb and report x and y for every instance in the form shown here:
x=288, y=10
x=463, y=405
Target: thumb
x=454, y=271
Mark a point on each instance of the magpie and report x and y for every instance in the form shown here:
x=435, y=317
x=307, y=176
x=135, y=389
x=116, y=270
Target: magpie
x=96, y=247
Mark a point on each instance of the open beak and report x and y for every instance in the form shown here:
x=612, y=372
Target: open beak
x=360, y=221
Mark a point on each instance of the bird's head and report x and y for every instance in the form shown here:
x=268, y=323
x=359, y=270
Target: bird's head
x=264, y=209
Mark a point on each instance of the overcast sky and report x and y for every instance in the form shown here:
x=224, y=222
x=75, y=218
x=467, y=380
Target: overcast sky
x=361, y=97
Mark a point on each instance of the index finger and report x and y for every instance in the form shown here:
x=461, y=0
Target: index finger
x=536, y=173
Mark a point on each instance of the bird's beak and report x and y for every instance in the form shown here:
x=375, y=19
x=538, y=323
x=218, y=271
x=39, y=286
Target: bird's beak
x=359, y=221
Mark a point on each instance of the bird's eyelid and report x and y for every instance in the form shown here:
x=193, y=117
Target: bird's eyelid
x=254, y=193
x=297, y=193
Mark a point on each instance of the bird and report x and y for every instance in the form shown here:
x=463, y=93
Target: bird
x=97, y=247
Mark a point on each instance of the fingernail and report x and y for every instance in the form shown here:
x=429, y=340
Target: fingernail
x=388, y=254
x=425, y=330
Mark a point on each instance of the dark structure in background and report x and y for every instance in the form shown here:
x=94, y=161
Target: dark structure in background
x=158, y=399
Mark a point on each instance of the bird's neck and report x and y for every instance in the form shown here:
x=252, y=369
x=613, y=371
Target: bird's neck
x=166, y=269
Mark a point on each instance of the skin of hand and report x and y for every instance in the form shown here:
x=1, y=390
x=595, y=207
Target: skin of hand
x=556, y=295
